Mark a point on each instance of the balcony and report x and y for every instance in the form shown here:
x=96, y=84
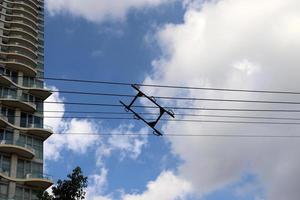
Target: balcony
x=19, y=47
x=22, y=5
x=36, y=88
x=41, y=181
x=14, y=100
x=39, y=130
x=18, y=35
x=20, y=16
x=20, y=24
x=7, y=80
x=17, y=147
x=20, y=55
x=36, y=180
x=12, y=11
x=16, y=65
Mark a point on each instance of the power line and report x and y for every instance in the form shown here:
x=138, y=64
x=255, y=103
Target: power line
x=168, y=86
x=216, y=116
x=201, y=121
x=86, y=81
x=172, y=86
x=177, y=114
x=187, y=135
x=231, y=122
x=176, y=120
x=180, y=98
x=175, y=98
x=178, y=108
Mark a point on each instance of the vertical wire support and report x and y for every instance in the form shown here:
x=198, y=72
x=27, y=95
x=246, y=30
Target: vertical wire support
x=152, y=124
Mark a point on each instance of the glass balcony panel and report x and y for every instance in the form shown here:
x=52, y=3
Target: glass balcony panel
x=19, y=193
x=40, y=66
x=3, y=191
x=10, y=142
x=32, y=82
x=5, y=166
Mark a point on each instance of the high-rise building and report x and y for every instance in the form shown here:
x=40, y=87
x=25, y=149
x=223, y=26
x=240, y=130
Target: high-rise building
x=22, y=92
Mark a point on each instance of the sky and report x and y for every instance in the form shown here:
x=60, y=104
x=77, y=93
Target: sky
x=249, y=44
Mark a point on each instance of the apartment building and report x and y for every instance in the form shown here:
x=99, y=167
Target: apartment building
x=22, y=92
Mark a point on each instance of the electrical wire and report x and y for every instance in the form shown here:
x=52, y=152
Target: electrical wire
x=177, y=108
x=180, y=98
x=173, y=86
x=177, y=114
x=216, y=116
x=168, y=86
x=184, y=120
x=186, y=135
x=176, y=98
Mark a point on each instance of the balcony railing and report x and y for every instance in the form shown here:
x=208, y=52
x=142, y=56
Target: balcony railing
x=28, y=175
x=36, y=84
x=14, y=96
x=18, y=143
x=30, y=125
x=12, y=78
x=34, y=125
x=5, y=172
x=48, y=127
x=38, y=176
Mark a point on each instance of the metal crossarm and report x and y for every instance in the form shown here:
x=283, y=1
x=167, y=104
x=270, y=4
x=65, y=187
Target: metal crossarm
x=152, y=124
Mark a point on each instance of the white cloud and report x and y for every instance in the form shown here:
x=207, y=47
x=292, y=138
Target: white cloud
x=245, y=189
x=167, y=186
x=74, y=140
x=234, y=44
x=96, y=53
x=128, y=145
x=97, y=183
x=69, y=140
x=56, y=122
x=58, y=142
x=246, y=67
x=101, y=198
x=100, y=10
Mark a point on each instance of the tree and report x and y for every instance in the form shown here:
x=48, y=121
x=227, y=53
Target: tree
x=44, y=195
x=70, y=189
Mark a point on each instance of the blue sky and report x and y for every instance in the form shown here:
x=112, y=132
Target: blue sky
x=213, y=44
x=112, y=51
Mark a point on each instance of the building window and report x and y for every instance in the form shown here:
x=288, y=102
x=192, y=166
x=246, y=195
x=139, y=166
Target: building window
x=31, y=121
x=8, y=93
x=27, y=169
x=38, y=147
x=5, y=165
x=9, y=113
x=19, y=193
x=9, y=74
x=34, y=194
x=6, y=137
x=32, y=82
x=34, y=143
x=3, y=191
x=28, y=98
x=25, y=194
x=39, y=105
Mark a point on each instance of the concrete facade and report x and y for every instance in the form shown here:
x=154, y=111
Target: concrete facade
x=22, y=92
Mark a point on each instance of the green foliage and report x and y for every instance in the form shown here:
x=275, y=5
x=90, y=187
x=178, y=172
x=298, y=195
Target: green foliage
x=70, y=189
x=44, y=196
